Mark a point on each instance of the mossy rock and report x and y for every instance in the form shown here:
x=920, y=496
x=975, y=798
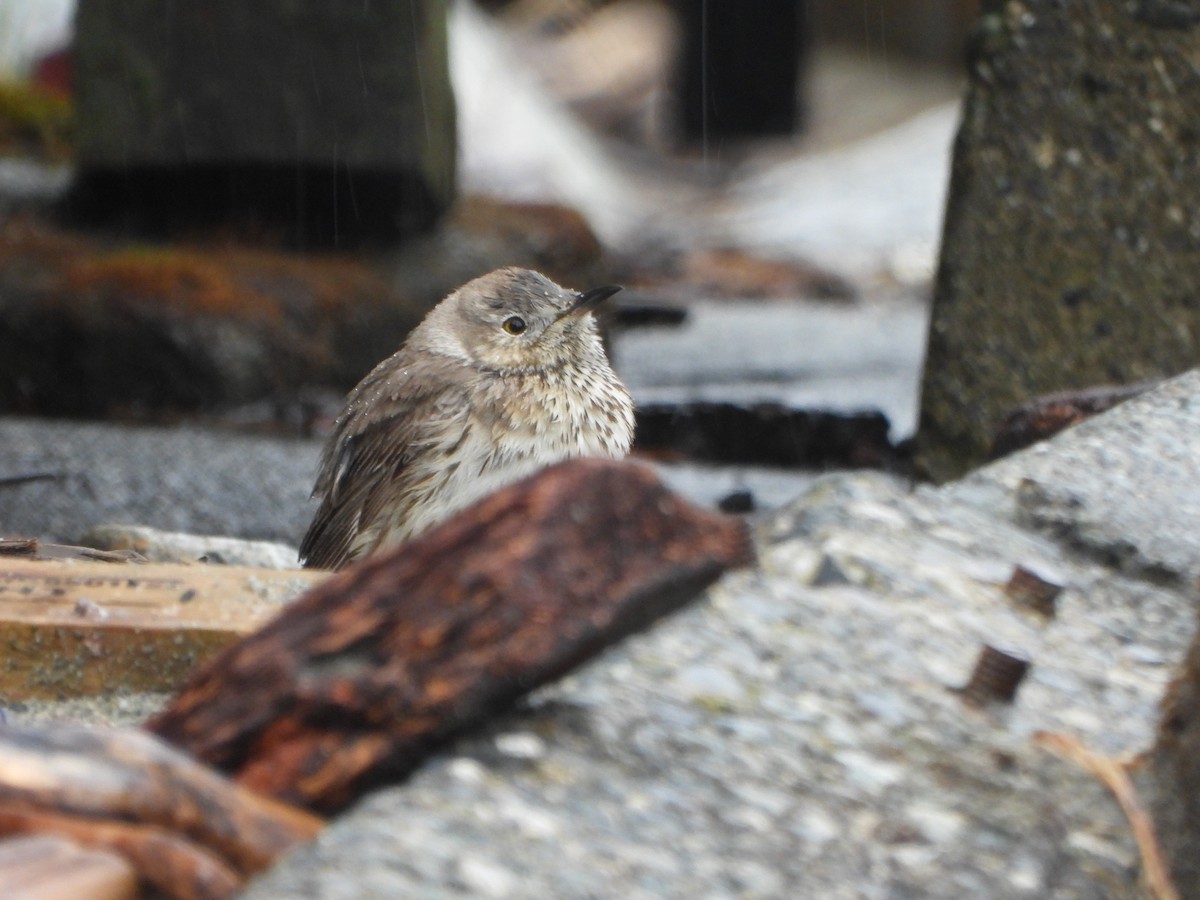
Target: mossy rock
x=1070, y=257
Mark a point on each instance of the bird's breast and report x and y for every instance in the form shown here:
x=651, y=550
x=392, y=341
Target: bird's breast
x=564, y=414
x=513, y=428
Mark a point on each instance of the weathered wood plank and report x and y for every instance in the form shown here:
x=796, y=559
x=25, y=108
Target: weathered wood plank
x=76, y=627
x=358, y=680
x=175, y=867
x=185, y=828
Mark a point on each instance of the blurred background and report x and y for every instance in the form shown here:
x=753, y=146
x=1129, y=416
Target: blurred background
x=220, y=219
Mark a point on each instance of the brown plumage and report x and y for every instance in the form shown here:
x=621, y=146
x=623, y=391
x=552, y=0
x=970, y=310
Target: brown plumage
x=503, y=377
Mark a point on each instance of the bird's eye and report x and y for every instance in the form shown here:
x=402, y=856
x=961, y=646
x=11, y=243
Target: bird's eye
x=514, y=325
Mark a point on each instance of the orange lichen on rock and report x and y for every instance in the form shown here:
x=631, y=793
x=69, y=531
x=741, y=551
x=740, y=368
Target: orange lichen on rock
x=181, y=280
x=321, y=283
x=207, y=279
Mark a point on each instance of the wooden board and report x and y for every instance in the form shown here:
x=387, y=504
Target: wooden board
x=74, y=627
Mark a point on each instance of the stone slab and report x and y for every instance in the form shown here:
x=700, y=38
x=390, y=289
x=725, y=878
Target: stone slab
x=1122, y=488
x=803, y=732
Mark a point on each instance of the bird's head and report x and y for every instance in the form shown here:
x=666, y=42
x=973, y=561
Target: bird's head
x=514, y=319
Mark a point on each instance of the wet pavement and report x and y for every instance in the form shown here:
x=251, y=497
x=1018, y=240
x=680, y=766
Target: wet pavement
x=818, y=356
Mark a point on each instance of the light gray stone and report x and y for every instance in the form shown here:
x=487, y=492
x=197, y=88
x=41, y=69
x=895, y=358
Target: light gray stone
x=1127, y=493
x=844, y=764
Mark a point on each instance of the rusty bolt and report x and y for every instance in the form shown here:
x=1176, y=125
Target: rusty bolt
x=996, y=677
x=1029, y=589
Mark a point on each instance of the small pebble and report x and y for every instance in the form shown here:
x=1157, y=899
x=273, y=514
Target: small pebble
x=486, y=878
x=521, y=745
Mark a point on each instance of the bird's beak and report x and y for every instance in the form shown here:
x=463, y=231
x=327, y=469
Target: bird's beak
x=587, y=301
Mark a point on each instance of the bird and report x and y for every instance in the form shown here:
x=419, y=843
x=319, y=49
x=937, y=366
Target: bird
x=506, y=375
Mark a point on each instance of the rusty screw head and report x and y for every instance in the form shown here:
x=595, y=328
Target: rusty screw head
x=996, y=677
x=1029, y=589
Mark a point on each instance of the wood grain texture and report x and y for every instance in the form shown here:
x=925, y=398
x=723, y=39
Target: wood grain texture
x=359, y=679
x=128, y=791
x=77, y=627
x=175, y=867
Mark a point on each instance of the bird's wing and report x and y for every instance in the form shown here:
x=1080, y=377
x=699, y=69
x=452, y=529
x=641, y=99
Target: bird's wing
x=391, y=416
